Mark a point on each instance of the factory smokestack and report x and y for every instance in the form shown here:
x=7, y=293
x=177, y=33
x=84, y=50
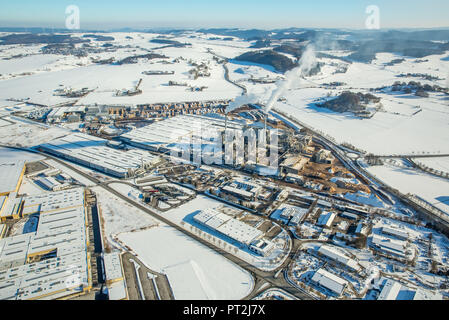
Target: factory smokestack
x=241, y=101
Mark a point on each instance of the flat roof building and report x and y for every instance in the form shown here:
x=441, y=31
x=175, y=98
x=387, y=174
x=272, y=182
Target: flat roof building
x=239, y=231
x=52, y=262
x=262, y=246
x=48, y=183
x=115, y=279
x=329, y=281
x=93, y=153
x=240, y=193
x=228, y=226
x=294, y=164
x=12, y=207
x=243, y=189
x=395, y=232
x=337, y=256
x=113, y=267
x=163, y=135
x=391, y=246
x=390, y=290
x=11, y=174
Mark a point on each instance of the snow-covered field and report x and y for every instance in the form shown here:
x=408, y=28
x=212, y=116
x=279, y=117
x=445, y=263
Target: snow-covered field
x=433, y=189
x=119, y=216
x=194, y=271
x=394, y=131
x=31, y=63
x=385, y=133
x=406, y=124
x=50, y=72
x=439, y=164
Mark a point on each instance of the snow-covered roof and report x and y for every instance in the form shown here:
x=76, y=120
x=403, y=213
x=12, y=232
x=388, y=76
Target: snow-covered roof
x=205, y=215
x=12, y=206
x=329, y=281
x=113, y=266
x=10, y=173
x=61, y=231
x=421, y=294
x=228, y=226
x=390, y=290
x=239, y=231
x=171, y=130
x=238, y=191
x=262, y=246
x=326, y=219
x=54, y=200
x=395, y=246
x=93, y=152
x=293, y=211
x=117, y=291
x=3, y=200
x=47, y=182
x=334, y=254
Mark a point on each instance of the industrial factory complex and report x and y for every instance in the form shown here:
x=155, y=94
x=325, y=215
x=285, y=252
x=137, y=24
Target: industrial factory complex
x=53, y=260
x=222, y=163
x=52, y=242
x=12, y=175
x=165, y=136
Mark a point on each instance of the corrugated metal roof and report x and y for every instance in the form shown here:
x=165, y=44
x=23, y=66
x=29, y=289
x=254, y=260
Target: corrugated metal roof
x=10, y=174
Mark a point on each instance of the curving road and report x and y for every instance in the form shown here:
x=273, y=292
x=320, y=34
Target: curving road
x=226, y=75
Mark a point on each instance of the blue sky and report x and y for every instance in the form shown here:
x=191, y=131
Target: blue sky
x=266, y=14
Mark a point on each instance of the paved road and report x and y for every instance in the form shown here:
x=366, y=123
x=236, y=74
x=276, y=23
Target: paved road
x=226, y=75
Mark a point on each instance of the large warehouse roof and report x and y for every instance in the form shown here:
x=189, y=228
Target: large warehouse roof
x=390, y=290
x=93, y=152
x=231, y=227
x=164, y=133
x=61, y=233
x=10, y=173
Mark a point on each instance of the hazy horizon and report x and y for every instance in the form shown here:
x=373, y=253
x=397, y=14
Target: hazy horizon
x=195, y=14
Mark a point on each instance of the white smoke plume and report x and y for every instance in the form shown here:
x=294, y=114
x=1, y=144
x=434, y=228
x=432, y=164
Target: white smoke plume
x=306, y=64
x=241, y=101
